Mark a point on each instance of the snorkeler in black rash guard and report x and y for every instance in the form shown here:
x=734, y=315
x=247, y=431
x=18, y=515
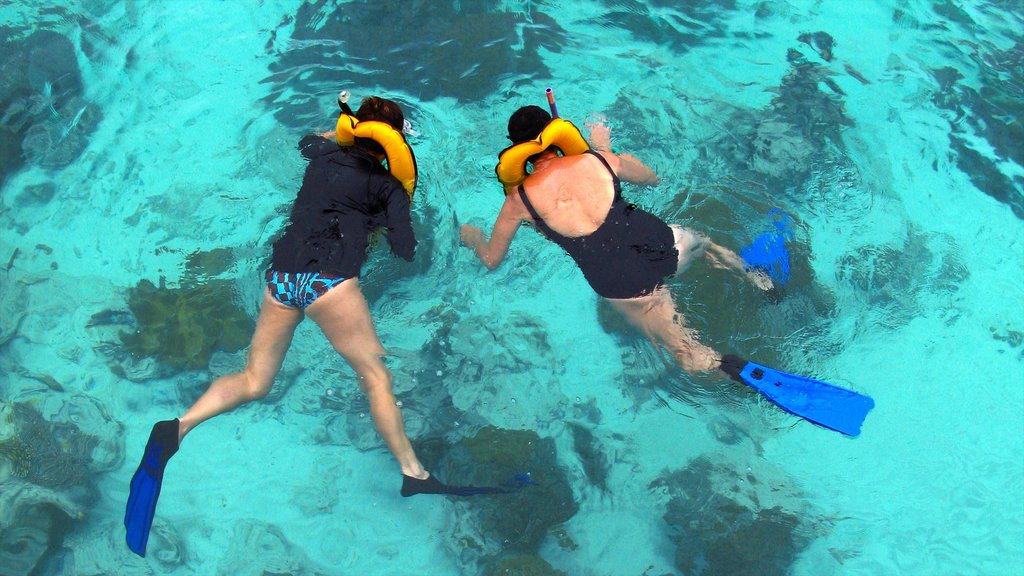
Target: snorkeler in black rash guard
x=346, y=194
x=331, y=223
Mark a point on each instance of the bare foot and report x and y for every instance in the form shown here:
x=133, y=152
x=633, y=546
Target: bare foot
x=421, y=475
x=760, y=279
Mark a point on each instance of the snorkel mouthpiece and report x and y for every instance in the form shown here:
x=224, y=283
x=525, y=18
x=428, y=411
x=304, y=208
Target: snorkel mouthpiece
x=343, y=102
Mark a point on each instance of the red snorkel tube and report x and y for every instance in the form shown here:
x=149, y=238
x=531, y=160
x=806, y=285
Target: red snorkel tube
x=551, y=102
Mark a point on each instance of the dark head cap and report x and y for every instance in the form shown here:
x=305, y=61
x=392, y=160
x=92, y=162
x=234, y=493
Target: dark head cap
x=527, y=123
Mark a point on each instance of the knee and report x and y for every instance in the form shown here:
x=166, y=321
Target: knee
x=699, y=242
x=256, y=387
x=376, y=381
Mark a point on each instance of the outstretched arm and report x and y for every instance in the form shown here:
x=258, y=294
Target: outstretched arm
x=626, y=166
x=632, y=170
x=492, y=252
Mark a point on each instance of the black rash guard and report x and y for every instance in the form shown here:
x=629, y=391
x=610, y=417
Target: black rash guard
x=346, y=194
x=629, y=254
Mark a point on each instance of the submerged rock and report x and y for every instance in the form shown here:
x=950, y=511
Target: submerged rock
x=892, y=278
x=45, y=118
x=46, y=479
x=83, y=412
x=49, y=454
x=481, y=46
x=26, y=533
x=988, y=107
x=166, y=548
x=521, y=565
x=692, y=23
x=503, y=367
x=13, y=300
x=203, y=265
x=517, y=523
x=591, y=454
x=183, y=327
x=730, y=523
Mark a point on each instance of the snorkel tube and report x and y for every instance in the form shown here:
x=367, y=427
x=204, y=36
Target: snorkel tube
x=551, y=102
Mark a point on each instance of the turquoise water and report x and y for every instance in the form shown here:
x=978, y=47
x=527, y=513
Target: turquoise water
x=156, y=142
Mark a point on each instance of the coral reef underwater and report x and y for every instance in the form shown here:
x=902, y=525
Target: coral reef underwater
x=49, y=468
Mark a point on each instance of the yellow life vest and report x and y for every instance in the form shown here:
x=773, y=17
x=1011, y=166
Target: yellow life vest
x=401, y=162
x=560, y=133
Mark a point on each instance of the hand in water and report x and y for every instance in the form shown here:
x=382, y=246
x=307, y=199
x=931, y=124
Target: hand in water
x=471, y=236
x=600, y=134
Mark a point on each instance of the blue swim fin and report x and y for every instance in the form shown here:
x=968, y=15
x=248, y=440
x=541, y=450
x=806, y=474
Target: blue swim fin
x=145, y=485
x=768, y=251
x=830, y=406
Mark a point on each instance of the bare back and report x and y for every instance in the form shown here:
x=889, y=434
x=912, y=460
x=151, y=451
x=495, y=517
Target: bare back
x=572, y=194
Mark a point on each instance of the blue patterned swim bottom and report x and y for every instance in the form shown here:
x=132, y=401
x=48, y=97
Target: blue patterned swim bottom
x=299, y=289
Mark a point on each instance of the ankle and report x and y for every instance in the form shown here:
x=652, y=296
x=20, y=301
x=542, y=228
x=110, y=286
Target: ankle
x=183, y=428
x=419, y=474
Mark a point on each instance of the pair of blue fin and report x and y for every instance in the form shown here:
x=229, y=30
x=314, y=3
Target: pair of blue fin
x=144, y=490
x=819, y=402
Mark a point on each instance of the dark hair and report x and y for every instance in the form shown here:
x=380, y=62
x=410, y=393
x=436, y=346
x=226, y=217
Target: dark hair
x=527, y=123
x=381, y=110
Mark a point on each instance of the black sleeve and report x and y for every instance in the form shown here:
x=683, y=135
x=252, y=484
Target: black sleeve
x=399, y=223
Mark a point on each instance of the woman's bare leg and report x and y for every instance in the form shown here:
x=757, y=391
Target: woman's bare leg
x=722, y=257
x=270, y=341
x=690, y=245
x=344, y=318
x=655, y=315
